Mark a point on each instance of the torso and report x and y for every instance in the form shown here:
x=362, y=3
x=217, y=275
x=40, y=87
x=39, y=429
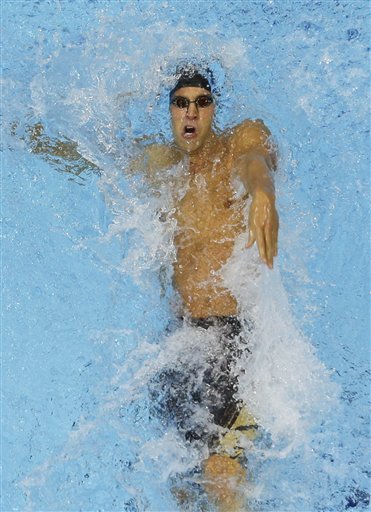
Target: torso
x=209, y=214
x=209, y=218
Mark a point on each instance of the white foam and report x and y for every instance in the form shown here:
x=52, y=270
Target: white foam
x=285, y=385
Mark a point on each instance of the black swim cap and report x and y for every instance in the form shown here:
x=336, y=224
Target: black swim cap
x=190, y=77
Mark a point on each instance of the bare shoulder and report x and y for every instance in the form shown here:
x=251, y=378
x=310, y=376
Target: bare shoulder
x=250, y=134
x=253, y=137
x=160, y=156
x=152, y=158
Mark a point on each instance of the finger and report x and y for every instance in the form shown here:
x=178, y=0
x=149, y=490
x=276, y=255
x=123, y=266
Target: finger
x=276, y=238
x=273, y=234
x=251, y=239
x=261, y=244
x=269, y=245
x=275, y=244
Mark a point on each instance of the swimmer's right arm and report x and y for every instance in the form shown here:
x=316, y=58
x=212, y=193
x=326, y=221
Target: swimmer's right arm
x=153, y=158
x=59, y=152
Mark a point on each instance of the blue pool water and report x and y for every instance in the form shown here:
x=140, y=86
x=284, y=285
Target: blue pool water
x=84, y=308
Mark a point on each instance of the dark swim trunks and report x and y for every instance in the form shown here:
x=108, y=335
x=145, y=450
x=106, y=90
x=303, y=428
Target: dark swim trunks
x=198, y=396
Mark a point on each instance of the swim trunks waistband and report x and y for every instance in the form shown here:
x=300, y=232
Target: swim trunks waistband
x=230, y=324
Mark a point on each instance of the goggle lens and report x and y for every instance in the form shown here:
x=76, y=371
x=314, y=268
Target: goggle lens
x=180, y=102
x=204, y=101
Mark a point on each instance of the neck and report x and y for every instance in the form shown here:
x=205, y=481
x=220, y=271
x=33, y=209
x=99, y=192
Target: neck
x=207, y=151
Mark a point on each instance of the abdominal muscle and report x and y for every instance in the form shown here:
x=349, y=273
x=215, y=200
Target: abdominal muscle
x=209, y=219
x=199, y=285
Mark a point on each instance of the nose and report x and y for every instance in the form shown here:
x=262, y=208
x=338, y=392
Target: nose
x=192, y=111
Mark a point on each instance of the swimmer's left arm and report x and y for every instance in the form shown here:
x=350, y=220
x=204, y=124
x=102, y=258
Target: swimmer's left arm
x=255, y=159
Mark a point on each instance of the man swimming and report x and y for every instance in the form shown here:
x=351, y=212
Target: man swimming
x=209, y=219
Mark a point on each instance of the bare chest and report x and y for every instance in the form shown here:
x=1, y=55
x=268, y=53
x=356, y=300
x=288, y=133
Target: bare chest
x=210, y=208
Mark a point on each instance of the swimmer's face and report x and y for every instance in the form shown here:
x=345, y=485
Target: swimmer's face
x=192, y=125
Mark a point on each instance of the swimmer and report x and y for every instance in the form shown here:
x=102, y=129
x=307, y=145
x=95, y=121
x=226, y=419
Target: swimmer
x=209, y=219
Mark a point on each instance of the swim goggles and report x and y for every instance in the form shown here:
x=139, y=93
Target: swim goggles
x=200, y=102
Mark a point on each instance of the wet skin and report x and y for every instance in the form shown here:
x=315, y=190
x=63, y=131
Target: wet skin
x=209, y=216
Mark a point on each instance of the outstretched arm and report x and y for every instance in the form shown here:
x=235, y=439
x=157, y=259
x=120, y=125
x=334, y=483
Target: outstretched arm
x=149, y=159
x=255, y=159
x=60, y=152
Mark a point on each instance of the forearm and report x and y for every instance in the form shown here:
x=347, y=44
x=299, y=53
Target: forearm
x=263, y=218
x=60, y=152
x=256, y=175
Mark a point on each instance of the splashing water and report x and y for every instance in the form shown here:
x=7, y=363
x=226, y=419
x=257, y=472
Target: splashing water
x=91, y=296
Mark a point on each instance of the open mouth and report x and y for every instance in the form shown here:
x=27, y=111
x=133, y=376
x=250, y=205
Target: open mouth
x=189, y=132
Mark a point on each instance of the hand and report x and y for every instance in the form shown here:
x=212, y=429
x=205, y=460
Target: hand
x=263, y=226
